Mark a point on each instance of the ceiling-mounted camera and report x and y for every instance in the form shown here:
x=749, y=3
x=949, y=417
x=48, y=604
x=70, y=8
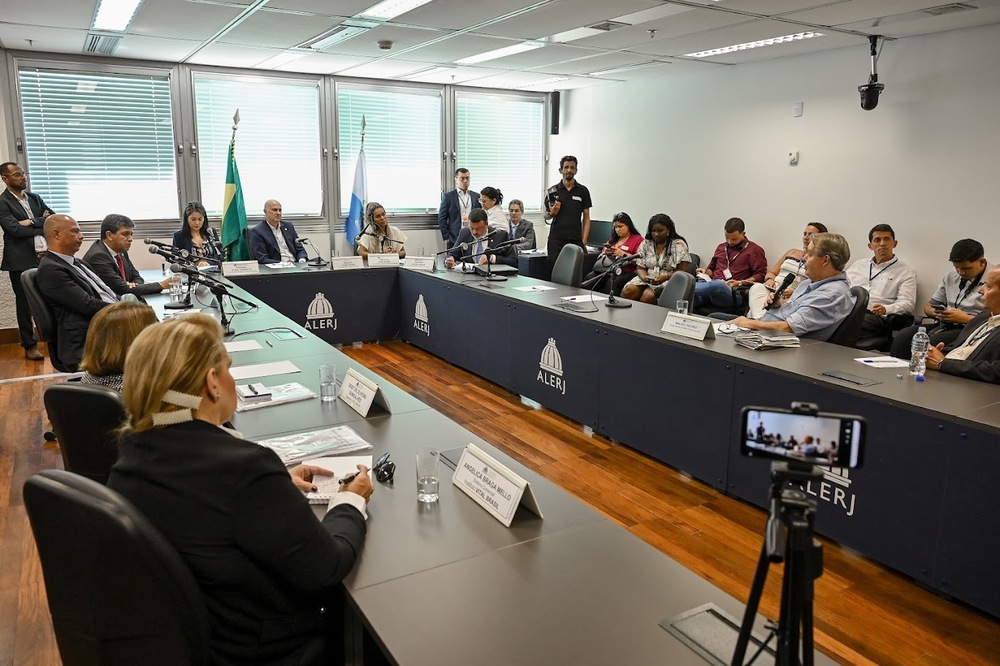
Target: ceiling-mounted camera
x=871, y=90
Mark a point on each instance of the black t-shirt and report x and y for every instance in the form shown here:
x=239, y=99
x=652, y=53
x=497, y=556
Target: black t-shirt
x=568, y=224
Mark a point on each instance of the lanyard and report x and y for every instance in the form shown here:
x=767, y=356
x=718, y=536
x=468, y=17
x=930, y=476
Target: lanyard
x=729, y=262
x=871, y=278
x=962, y=295
x=983, y=331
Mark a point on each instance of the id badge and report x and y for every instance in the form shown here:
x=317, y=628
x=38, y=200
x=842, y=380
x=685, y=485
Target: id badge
x=728, y=274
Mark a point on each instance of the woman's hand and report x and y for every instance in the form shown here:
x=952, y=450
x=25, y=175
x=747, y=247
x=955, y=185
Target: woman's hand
x=361, y=485
x=302, y=476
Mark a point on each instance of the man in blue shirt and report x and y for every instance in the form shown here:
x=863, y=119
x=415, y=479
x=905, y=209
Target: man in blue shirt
x=821, y=302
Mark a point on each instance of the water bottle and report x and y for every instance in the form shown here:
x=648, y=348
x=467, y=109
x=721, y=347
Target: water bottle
x=918, y=353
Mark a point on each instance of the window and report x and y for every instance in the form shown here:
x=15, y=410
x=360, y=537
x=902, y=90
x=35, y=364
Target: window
x=402, y=146
x=501, y=141
x=98, y=143
x=277, y=144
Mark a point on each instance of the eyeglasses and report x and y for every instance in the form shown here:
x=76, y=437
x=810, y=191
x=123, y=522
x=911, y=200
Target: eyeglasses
x=384, y=469
x=17, y=174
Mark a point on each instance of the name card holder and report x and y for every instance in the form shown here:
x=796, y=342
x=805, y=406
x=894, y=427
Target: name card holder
x=238, y=268
x=383, y=260
x=492, y=485
x=360, y=393
x=343, y=263
x=688, y=326
x=420, y=263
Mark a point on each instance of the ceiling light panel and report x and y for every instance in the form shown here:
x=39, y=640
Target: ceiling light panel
x=114, y=15
x=745, y=46
x=556, y=17
x=503, y=52
x=390, y=9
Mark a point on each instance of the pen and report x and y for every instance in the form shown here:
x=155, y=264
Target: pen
x=269, y=343
x=252, y=389
x=347, y=479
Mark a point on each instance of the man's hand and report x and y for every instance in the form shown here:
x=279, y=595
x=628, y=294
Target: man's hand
x=25, y=223
x=302, y=476
x=743, y=322
x=165, y=283
x=953, y=316
x=733, y=283
x=46, y=213
x=555, y=208
x=878, y=310
x=934, y=356
x=449, y=262
x=483, y=259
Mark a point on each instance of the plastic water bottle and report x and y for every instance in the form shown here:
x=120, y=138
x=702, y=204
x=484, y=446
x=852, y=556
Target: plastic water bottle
x=918, y=353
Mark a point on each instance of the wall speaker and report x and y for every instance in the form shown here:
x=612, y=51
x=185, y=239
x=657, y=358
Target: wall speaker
x=554, y=112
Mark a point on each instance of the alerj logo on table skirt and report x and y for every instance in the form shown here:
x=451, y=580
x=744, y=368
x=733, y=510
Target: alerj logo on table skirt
x=420, y=320
x=550, y=367
x=320, y=314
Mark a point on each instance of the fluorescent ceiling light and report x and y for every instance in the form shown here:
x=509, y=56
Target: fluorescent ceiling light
x=339, y=34
x=115, y=14
x=546, y=82
x=575, y=34
x=283, y=58
x=755, y=45
x=628, y=68
x=390, y=9
x=500, y=53
x=429, y=72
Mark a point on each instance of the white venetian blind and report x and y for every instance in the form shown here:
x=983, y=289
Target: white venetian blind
x=99, y=143
x=277, y=144
x=501, y=142
x=402, y=146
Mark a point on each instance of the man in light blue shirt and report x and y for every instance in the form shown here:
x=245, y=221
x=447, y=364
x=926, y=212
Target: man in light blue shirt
x=819, y=305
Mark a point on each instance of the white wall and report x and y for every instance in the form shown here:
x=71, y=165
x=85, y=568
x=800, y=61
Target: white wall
x=714, y=145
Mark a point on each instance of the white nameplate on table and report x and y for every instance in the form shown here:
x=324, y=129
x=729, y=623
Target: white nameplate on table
x=420, y=263
x=383, y=260
x=492, y=485
x=341, y=263
x=241, y=345
x=242, y=372
x=360, y=393
x=688, y=326
x=237, y=268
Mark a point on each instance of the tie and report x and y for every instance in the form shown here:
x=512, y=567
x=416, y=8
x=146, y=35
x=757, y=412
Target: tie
x=103, y=292
x=479, y=249
x=121, y=266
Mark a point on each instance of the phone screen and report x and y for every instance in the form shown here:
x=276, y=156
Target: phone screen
x=836, y=440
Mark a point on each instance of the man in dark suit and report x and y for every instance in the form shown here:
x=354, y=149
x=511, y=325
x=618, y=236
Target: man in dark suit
x=476, y=243
x=108, y=258
x=521, y=230
x=72, y=290
x=273, y=241
x=22, y=215
x=975, y=353
x=456, y=205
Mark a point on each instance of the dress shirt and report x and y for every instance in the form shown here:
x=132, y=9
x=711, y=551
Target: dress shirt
x=891, y=284
x=952, y=293
x=39, y=240
x=97, y=283
x=287, y=256
x=815, y=309
x=464, y=205
x=977, y=338
x=496, y=219
x=745, y=262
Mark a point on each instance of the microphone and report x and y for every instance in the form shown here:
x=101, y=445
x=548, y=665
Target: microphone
x=195, y=274
x=780, y=290
x=150, y=241
x=173, y=253
x=363, y=230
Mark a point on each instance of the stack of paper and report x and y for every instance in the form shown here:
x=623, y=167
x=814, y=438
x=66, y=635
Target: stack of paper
x=304, y=445
x=276, y=395
x=766, y=339
x=253, y=393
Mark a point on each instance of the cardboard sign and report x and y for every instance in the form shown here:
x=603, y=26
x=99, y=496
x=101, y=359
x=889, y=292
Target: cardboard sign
x=343, y=263
x=238, y=268
x=420, y=263
x=492, y=485
x=360, y=393
x=688, y=326
x=383, y=260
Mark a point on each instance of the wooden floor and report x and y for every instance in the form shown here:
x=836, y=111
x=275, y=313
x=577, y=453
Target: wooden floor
x=864, y=613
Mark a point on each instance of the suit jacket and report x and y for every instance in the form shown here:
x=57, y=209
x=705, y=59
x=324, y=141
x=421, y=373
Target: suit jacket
x=208, y=250
x=264, y=564
x=73, y=301
x=19, y=241
x=99, y=258
x=450, y=214
x=505, y=255
x=525, y=235
x=265, y=250
x=983, y=364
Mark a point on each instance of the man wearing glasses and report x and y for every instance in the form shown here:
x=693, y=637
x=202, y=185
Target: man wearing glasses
x=22, y=215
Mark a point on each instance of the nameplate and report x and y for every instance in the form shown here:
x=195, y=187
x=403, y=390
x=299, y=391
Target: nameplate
x=360, y=393
x=383, y=260
x=420, y=263
x=688, y=326
x=492, y=485
x=343, y=263
x=238, y=268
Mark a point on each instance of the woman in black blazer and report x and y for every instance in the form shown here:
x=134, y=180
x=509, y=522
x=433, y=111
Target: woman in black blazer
x=266, y=566
x=196, y=236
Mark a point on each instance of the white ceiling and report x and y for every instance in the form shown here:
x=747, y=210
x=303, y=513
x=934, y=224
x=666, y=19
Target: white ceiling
x=656, y=34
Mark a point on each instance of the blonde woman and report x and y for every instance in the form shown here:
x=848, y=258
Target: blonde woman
x=111, y=333
x=265, y=565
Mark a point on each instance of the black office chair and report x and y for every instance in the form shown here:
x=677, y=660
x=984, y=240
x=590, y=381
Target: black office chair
x=45, y=320
x=84, y=417
x=118, y=591
x=896, y=322
x=568, y=269
x=695, y=264
x=246, y=239
x=680, y=286
x=849, y=331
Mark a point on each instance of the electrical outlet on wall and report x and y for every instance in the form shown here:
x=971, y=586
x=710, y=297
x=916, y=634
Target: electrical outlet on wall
x=793, y=157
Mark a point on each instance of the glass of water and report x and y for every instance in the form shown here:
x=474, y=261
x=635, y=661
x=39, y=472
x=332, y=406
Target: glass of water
x=427, y=474
x=328, y=382
x=682, y=307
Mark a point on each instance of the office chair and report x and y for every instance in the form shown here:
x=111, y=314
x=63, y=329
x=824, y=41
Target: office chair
x=568, y=269
x=83, y=418
x=896, y=322
x=45, y=320
x=118, y=591
x=679, y=286
x=694, y=265
x=246, y=239
x=849, y=331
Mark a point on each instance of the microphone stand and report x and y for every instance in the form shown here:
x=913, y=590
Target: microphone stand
x=318, y=259
x=613, y=302
x=220, y=290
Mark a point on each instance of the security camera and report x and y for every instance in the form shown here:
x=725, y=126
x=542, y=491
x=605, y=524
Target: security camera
x=871, y=90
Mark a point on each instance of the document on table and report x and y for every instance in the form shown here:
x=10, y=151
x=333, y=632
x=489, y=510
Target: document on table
x=341, y=466
x=585, y=298
x=883, y=362
x=534, y=287
x=242, y=345
x=242, y=372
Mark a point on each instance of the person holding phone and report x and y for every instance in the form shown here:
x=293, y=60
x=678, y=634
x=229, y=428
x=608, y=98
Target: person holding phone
x=663, y=252
x=567, y=209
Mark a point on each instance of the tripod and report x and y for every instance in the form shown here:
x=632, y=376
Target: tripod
x=789, y=537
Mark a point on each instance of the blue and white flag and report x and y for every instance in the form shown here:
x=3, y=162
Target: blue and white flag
x=359, y=195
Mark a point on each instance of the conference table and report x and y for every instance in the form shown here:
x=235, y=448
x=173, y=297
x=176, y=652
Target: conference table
x=446, y=583
x=922, y=503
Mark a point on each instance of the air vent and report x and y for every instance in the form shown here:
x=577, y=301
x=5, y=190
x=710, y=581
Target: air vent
x=608, y=26
x=105, y=43
x=949, y=9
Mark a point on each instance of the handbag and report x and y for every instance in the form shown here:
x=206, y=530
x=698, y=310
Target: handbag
x=603, y=263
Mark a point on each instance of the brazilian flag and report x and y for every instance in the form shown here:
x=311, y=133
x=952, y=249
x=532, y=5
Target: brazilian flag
x=234, y=213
